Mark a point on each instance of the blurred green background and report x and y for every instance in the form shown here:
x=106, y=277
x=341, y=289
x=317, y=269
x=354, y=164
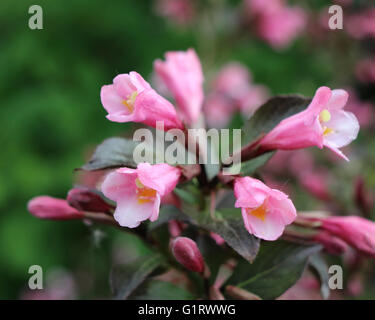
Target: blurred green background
x=51, y=115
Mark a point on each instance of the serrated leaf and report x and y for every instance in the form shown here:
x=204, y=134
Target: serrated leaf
x=277, y=267
x=320, y=268
x=126, y=278
x=271, y=114
x=112, y=153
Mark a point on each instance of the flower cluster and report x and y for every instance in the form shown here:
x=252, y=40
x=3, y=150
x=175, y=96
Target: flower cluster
x=138, y=192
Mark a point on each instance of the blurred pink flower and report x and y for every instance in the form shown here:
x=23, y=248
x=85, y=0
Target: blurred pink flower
x=316, y=182
x=131, y=99
x=323, y=123
x=60, y=286
x=265, y=211
x=46, y=207
x=252, y=99
x=361, y=25
x=307, y=288
x=218, y=110
x=182, y=75
x=177, y=11
x=365, y=70
x=232, y=80
x=364, y=111
x=355, y=286
x=275, y=22
x=137, y=192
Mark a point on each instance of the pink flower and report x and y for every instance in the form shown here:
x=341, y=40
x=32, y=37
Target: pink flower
x=182, y=74
x=252, y=99
x=365, y=70
x=130, y=98
x=46, y=207
x=316, y=182
x=265, y=211
x=218, y=110
x=187, y=253
x=361, y=25
x=178, y=11
x=364, y=111
x=137, y=192
x=232, y=80
x=357, y=232
x=323, y=123
x=275, y=22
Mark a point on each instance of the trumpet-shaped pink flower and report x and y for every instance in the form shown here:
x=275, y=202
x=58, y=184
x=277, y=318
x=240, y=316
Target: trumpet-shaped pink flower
x=182, y=74
x=137, y=192
x=131, y=99
x=265, y=211
x=323, y=123
x=357, y=232
x=46, y=207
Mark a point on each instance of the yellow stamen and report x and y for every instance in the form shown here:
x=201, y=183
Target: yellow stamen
x=129, y=103
x=259, y=212
x=144, y=194
x=325, y=116
x=327, y=131
x=138, y=183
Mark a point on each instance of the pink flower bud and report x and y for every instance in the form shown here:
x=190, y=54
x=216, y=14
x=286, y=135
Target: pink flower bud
x=187, y=253
x=331, y=244
x=357, y=232
x=84, y=199
x=182, y=74
x=46, y=207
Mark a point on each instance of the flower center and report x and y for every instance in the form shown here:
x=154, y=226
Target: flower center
x=259, y=212
x=325, y=116
x=129, y=103
x=144, y=194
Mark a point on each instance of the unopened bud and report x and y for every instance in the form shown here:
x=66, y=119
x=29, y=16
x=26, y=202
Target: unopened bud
x=187, y=253
x=331, y=244
x=84, y=199
x=46, y=207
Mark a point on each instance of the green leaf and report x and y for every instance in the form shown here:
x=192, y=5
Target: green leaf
x=161, y=290
x=112, y=153
x=277, y=267
x=271, y=114
x=126, y=278
x=320, y=268
x=249, y=167
x=230, y=228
